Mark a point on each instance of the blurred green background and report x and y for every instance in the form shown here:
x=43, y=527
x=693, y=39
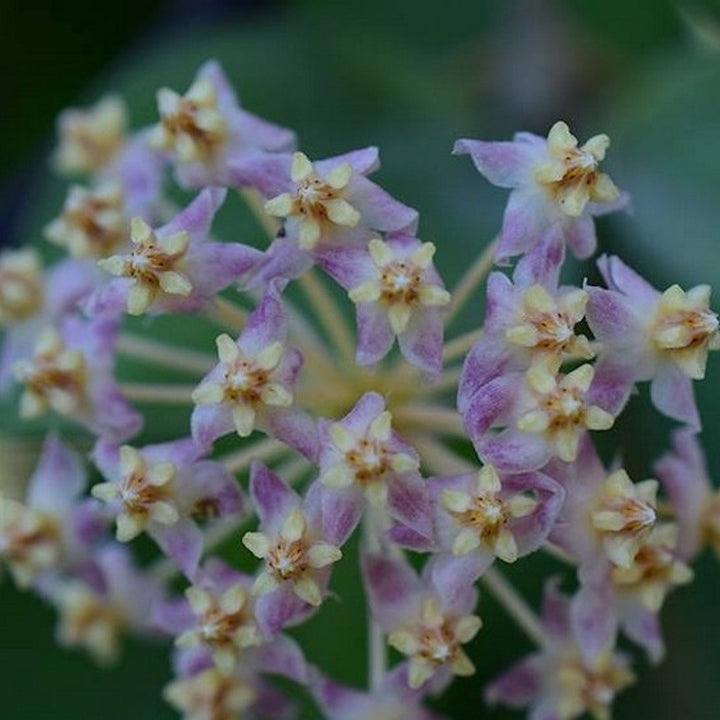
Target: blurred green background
x=411, y=77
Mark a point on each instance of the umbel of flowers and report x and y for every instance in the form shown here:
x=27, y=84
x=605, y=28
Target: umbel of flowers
x=332, y=432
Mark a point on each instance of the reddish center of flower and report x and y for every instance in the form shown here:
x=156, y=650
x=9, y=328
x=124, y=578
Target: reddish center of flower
x=486, y=514
x=288, y=559
x=100, y=221
x=400, y=282
x=312, y=195
x=138, y=495
x=369, y=460
x=218, y=627
x=565, y=407
x=58, y=376
x=438, y=645
x=28, y=537
x=188, y=122
x=244, y=382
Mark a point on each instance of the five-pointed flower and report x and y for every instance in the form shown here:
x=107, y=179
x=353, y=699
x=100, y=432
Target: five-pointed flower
x=553, y=182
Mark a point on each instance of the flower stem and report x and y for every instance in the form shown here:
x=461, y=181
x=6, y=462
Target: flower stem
x=164, y=394
x=460, y=345
x=558, y=553
x=469, y=282
x=256, y=204
x=448, y=381
x=227, y=315
x=165, y=354
x=514, y=604
x=439, y=459
x=264, y=450
x=377, y=654
x=439, y=419
x=328, y=312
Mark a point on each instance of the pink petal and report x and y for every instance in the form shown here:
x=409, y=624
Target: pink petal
x=505, y=164
x=272, y=497
x=672, y=394
x=59, y=477
x=392, y=587
x=375, y=336
x=378, y=209
x=422, y=342
x=581, y=236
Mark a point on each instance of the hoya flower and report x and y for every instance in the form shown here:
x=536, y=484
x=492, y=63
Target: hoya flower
x=94, y=613
x=252, y=386
x=210, y=694
x=482, y=516
x=55, y=527
x=223, y=621
x=427, y=618
x=529, y=320
x=361, y=456
x=93, y=221
x=71, y=373
x=163, y=490
x=553, y=182
x=175, y=268
x=397, y=293
x=540, y=415
x=648, y=335
x=323, y=205
x=90, y=139
x=559, y=682
x=202, y=691
x=216, y=625
x=298, y=544
x=392, y=700
x=206, y=132
x=627, y=558
x=32, y=297
x=695, y=503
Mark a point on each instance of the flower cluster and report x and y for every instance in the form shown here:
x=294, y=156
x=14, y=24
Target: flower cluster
x=328, y=432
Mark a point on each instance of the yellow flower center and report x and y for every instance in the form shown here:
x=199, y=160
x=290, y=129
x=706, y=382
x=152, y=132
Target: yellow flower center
x=55, y=378
x=571, y=175
x=92, y=223
x=21, y=286
x=192, y=125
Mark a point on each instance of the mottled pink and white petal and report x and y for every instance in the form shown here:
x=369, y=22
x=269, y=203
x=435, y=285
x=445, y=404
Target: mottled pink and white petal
x=523, y=222
x=488, y=360
x=624, y=279
x=272, y=497
x=183, y=542
x=392, y=588
x=422, y=343
x=282, y=656
x=541, y=264
x=593, y=614
x=341, y=513
x=581, y=236
x=408, y=502
x=513, y=451
x=505, y=164
x=375, y=335
x=492, y=404
x=363, y=161
x=379, y=210
x=671, y=392
x=59, y=477
x=643, y=627
x=519, y=686
x=196, y=219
